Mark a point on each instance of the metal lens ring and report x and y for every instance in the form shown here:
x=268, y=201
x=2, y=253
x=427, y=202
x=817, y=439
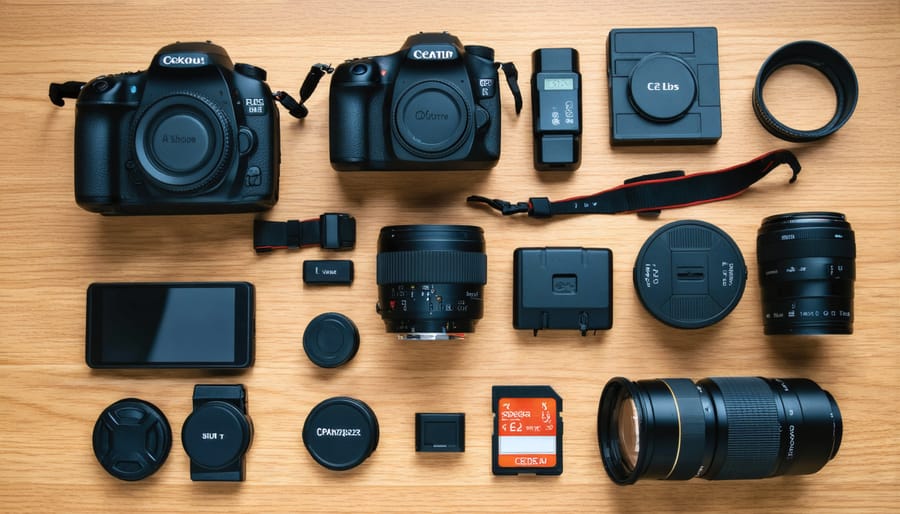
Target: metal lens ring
x=829, y=62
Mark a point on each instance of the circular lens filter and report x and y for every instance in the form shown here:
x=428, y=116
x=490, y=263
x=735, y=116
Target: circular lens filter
x=690, y=274
x=340, y=433
x=132, y=439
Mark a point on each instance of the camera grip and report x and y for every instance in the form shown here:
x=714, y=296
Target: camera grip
x=348, y=125
x=97, y=142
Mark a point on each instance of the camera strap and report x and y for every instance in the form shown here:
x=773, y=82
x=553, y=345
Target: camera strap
x=332, y=231
x=512, y=78
x=70, y=89
x=651, y=193
x=297, y=109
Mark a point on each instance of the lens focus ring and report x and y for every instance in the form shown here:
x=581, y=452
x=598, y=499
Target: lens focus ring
x=753, y=429
x=432, y=266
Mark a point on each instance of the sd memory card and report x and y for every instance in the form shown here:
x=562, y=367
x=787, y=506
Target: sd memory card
x=528, y=430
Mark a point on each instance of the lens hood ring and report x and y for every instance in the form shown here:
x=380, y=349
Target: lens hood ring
x=826, y=60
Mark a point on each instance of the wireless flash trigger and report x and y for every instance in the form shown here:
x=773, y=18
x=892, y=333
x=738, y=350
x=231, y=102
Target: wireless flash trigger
x=556, y=109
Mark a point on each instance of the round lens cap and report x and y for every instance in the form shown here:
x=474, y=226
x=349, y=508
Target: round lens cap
x=132, y=439
x=690, y=274
x=216, y=434
x=340, y=433
x=330, y=339
x=181, y=142
x=431, y=119
x=662, y=87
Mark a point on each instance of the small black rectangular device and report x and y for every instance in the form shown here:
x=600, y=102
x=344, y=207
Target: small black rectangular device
x=664, y=86
x=556, y=109
x=562, y=288
x=335, y=271
x=170, y=325
x=440, y=432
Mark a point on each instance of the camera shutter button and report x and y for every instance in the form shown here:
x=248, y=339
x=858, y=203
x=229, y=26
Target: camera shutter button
x=359, y=69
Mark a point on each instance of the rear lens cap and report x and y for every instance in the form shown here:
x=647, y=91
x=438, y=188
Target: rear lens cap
x=132, y=439
x=340, y=433
x=690, y=274
x=330, y=339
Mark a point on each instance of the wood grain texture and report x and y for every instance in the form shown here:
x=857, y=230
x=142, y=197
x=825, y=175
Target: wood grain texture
x=52, y=250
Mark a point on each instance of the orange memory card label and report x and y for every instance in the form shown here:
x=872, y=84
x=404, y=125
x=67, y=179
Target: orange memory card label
x=527, y=430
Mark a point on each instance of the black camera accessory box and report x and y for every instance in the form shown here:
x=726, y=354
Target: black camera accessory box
x=664, y=86
x=562, y=288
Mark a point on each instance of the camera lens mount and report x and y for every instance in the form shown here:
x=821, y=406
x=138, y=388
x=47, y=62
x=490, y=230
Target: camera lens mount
x=183, y=142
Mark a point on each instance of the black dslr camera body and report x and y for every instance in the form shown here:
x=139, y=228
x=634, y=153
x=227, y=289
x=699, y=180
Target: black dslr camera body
x=193, y=134
x=434, y=105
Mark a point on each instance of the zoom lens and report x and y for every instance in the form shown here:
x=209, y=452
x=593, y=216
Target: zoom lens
x=806, y=272
x=717, y=429
x=431, y=279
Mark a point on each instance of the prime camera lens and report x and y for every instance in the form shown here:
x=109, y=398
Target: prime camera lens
x=806, y=272
x=431, y=279
x=183, y=143
x=720, y=428
x=432, y=119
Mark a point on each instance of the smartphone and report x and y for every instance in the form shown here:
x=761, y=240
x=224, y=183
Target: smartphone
x=170, y=325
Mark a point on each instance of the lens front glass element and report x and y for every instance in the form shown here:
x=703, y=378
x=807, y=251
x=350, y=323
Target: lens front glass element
x=629, y=432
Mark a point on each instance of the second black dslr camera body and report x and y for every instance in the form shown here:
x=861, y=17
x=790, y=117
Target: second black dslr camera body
x=193, y=134
x=433, y=105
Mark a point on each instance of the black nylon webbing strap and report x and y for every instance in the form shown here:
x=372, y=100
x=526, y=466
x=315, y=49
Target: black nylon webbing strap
x=666, y=190
x=333, y=231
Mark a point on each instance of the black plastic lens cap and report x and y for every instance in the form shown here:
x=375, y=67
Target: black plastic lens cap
x=132, y=439
x=330, y=339
x=690, y=274
x=662, y=87
x=216, y=434
x=340, y=433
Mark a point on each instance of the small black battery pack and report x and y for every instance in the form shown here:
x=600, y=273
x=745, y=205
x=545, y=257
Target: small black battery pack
x=562, y=288
x=328, y=272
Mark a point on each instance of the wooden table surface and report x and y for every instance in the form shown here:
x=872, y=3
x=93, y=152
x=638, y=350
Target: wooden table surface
x=52, y=250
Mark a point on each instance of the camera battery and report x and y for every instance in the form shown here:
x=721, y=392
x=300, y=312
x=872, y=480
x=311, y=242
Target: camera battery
x=562, y=288
x=528, y=430
x=328, y=272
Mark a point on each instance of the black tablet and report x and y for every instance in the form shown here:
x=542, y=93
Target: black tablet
x=170, y=325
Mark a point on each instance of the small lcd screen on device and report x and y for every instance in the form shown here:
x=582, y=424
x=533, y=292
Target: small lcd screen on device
x=559, y=84
x=170, y=325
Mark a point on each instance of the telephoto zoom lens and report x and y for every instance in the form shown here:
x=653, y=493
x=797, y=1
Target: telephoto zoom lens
x=806, y=272
x=717, y=429
x=431, y=280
